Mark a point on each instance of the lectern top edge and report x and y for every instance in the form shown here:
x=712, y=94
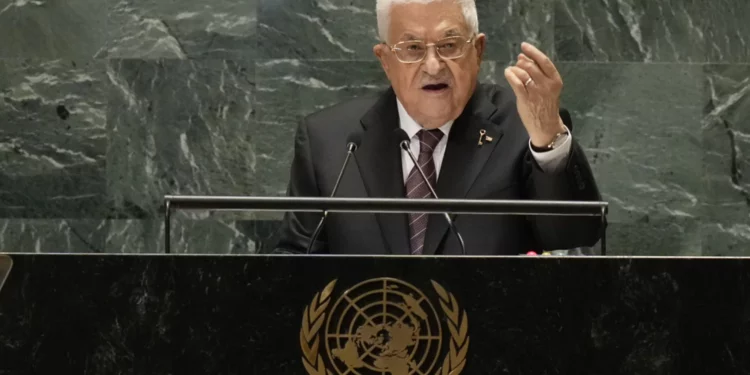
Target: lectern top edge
x=6, y=261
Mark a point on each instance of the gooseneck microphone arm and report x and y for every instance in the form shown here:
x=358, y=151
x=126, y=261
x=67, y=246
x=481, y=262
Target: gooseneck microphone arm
x=406, y=147
x=351, y=146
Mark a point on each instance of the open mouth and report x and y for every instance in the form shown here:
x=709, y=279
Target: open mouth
x=435, y=87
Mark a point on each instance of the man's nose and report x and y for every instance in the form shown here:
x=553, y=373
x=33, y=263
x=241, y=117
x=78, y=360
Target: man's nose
x=433, y=64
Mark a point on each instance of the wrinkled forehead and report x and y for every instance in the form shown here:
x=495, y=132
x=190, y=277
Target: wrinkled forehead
x=433, y=20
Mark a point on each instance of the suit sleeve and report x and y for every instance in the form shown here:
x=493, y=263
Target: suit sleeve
x=297, y=227
x=574, y=182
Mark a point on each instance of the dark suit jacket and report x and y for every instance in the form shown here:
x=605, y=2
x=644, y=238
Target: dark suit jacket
x=502, y=169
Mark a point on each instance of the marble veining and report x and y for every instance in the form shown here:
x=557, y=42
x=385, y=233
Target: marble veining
x=105, y=106
x=179, y=127
x=52, y=29
x=628, y=116
x=652, y=31
x=726, y=137
x=624, y=31
x=53, y=139
x=347, y=30
x=148, y=29
x=290, y=89
x=189, y=234
x=53, y=235
x=163, y=142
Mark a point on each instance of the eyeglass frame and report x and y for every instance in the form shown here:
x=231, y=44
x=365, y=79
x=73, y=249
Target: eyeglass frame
x=427, y=47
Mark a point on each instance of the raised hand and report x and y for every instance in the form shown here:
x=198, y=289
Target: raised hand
x=537, y=85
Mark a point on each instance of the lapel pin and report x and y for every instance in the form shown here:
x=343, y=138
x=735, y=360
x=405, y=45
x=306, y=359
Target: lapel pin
x=483, y=137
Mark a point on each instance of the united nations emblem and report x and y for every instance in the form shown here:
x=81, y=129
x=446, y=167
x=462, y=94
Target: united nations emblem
x=384, y=326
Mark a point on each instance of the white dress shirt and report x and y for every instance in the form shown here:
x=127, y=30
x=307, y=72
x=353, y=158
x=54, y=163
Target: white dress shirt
x=549, y=161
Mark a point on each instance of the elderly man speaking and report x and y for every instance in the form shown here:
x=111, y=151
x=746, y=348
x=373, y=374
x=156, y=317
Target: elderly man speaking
x=472, y=140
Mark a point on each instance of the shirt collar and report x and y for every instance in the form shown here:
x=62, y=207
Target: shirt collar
x=411, y=127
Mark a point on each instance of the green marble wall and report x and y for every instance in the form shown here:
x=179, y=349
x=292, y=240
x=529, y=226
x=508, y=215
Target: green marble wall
x=105, y=106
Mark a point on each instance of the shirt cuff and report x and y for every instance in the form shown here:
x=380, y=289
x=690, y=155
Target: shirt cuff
x=553, y=160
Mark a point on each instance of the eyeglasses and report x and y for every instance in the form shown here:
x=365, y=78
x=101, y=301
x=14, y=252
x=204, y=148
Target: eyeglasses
x=414, y=51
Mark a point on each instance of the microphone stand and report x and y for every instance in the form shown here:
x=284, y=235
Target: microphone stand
x=351, y=147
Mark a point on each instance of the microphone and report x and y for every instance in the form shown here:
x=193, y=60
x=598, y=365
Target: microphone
x=405, y=144
x=352, y=143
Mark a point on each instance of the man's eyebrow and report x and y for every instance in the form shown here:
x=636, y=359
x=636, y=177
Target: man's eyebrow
x=453, y=32
x=409, y=36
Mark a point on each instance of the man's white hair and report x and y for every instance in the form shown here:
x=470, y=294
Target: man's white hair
x=469, y=8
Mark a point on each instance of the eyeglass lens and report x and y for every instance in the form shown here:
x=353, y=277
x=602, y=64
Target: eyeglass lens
x=449, y=48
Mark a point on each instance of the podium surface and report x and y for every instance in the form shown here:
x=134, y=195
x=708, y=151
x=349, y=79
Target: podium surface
x=173, y=314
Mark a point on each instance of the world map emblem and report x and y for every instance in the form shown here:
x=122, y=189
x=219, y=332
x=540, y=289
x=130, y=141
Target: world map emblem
x=384, y=326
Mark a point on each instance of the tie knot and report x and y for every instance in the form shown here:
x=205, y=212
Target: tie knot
x=429, y=138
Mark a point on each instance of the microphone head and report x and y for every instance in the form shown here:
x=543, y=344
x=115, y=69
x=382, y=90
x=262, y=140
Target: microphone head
x=354, y=140
x=402, y=137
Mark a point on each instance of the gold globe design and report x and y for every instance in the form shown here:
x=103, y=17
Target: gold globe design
x=383, y=326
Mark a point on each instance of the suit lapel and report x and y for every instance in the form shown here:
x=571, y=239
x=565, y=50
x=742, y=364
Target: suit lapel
x=379, y=157
x=463, y=161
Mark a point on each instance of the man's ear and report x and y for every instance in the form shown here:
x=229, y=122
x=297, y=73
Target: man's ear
x=381, y=52
x=480, y=42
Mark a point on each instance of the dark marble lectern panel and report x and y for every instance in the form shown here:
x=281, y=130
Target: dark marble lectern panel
x=52, y=29
x=154, y=29
x=53, y=139
x=726, y=160
x=243, y=315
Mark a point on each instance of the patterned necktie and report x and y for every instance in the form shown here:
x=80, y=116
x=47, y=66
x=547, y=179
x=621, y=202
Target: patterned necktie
x=417, y=188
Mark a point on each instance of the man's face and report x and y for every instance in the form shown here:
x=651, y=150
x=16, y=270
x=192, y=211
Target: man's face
x=435, y=90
